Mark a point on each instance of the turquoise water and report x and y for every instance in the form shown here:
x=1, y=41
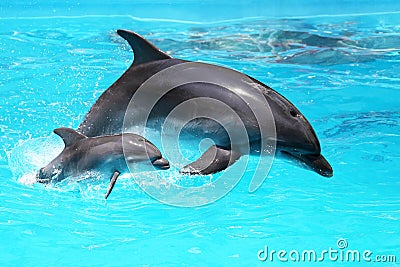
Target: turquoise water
x=340, y=71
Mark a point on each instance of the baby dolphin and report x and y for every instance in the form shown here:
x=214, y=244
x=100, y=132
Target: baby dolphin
x=107, y=154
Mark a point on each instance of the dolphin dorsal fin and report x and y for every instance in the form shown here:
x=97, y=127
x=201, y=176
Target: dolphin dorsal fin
x=143, y=50
x=68, y=135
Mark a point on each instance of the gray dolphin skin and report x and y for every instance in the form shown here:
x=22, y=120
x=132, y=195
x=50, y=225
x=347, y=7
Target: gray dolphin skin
x=294, y=134
x=103, y=153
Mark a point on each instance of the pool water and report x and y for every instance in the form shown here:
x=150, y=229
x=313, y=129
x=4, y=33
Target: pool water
x=340, y=71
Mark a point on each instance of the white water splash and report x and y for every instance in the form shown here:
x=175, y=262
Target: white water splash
x=27, y=178
x=28, y=156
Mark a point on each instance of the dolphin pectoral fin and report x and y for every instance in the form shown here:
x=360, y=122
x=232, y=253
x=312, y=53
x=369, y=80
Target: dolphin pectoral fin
x=215, y=159
x=112, y=183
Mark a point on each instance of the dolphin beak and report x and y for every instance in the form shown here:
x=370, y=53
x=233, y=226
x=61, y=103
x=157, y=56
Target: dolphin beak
x=161, y=163
x=319, y=164
x=316, y=162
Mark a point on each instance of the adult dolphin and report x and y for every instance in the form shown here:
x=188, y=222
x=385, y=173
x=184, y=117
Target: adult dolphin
x=107, y=154
x=294, y=134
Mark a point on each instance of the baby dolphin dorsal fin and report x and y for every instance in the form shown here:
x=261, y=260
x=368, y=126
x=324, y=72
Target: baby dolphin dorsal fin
x=68, y=135
x=143, y=50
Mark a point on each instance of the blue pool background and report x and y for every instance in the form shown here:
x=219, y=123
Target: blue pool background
x=57, y=58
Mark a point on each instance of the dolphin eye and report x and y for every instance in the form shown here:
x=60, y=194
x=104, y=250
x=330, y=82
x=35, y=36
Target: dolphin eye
x=140, y=139
x=293, y=113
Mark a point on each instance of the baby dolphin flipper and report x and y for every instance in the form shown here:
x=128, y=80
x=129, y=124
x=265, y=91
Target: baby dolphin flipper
x=112, y=183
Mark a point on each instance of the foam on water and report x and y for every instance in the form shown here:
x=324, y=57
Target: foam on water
x=30, y=155
x=28, y=178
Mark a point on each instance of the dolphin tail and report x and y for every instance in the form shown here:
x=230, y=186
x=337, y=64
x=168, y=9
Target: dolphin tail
x=112, y=183
x=215, y=159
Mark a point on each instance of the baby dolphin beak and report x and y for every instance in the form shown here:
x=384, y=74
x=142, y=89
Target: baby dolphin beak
x=161, y=163
x=155, y=156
